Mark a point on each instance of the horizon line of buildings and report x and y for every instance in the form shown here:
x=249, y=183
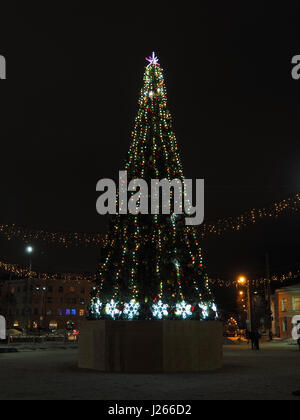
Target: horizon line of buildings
x=32, y=305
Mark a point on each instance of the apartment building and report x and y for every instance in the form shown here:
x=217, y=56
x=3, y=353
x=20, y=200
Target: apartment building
x=285, y=305
x=47, y=305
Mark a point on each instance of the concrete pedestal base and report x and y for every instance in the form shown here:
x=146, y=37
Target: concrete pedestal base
x=150, y=346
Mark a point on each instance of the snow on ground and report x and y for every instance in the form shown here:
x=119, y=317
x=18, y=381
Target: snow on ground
x=273, y=373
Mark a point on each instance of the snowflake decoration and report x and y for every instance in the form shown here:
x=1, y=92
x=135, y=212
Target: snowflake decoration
x=183, y=310
x=204, y=310
x=131, y=309
x=111, y=309
x=153, y=60
x=215, y=309
x=95, y=307
x=160, y=309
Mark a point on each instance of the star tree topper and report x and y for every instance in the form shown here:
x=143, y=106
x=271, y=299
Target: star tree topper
x=153, y=60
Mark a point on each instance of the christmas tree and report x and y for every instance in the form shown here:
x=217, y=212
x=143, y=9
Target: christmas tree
x=152, y=265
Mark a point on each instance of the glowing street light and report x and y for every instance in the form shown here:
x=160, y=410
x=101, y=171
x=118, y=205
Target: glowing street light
x=242, y=280
x=29, y=249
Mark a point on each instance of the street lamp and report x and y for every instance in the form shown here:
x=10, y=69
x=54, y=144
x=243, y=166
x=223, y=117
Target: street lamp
x=242, y=280
x=29, y=251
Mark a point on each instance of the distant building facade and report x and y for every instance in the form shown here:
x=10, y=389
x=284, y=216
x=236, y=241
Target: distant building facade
x=285, y=304
x=40, y=304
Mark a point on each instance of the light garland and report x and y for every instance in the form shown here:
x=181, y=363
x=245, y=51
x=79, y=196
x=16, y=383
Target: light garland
x=215, y=228
x=92, y=277
x=251, y=217
x=171, y=271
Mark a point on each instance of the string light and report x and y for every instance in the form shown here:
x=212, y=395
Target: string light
x=92, y=277
x=215, y=228
x=153, y=258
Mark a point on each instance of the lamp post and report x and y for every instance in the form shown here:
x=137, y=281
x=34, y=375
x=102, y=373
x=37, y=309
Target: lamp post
x=43, y=307
x=29, y=251
x=242, y=280
x=268, y=312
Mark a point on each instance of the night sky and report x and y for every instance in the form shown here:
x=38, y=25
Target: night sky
x=68, y=106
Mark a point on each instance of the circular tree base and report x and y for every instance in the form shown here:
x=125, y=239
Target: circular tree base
x=150, y=346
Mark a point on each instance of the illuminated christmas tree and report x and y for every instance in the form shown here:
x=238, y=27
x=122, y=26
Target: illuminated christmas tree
x=152, y=265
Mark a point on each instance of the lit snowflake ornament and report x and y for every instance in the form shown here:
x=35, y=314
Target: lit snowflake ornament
x=183, y=309
x=215, y=309
x=111, y=309
x=131, y=309
x=153, y=61
x=160, y=309
x=95, y=307
x=204, y=309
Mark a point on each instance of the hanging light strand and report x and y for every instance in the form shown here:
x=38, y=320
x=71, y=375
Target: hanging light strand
x=217, y=228
x=92, y=277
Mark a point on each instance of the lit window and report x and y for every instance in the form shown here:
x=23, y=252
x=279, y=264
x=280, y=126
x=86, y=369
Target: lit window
x=81, y=312
x=74, y=312
x=59, y=312
x=296, y=303
x=68, y=311
x=283, y=305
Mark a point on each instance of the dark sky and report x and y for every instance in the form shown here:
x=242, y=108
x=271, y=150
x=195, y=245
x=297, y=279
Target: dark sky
x=68, y=105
